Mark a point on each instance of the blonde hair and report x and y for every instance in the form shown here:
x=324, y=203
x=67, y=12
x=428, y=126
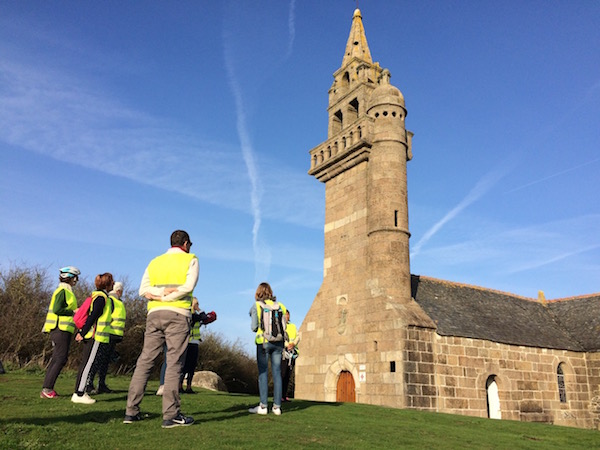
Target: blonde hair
x=263, y=292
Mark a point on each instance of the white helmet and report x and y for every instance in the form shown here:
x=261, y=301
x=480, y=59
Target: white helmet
x=69, y=272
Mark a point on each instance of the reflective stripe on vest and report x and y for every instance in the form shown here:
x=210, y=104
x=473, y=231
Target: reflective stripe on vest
x=259, y=339
x=101, y=329
x=170, y=270
x=119, y=314
x=65, y=323
x=195, y=332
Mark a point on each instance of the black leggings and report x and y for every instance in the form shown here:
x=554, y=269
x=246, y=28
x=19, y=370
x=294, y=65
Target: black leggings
x=61, y=342
x=189, y=367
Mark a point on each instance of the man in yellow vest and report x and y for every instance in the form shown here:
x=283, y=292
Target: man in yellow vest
x=168, y=283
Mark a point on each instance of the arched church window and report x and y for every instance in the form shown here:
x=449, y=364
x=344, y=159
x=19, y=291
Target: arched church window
x=560, y=378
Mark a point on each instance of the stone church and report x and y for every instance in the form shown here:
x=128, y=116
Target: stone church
x=377, y=334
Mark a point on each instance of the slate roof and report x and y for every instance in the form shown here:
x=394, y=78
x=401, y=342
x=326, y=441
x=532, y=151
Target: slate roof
x=475, y=312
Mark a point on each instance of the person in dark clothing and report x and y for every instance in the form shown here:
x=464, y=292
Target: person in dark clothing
x=95, y=334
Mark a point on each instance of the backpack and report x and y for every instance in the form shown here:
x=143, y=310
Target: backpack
x=82, y=313
x=272, y=322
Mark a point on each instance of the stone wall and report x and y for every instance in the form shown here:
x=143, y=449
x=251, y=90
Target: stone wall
x=450, y=374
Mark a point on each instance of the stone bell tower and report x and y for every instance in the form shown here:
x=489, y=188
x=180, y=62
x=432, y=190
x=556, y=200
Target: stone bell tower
x=352, y=346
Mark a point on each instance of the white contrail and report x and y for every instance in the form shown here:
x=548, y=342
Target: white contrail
x=291, y=28
x=554, y=259
x=562, y=172
x=482, y=186
x=262, y=255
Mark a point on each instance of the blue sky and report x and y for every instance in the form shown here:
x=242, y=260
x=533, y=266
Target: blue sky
x=123, y=121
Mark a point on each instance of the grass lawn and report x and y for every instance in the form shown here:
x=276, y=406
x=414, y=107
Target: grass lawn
x=222, y=421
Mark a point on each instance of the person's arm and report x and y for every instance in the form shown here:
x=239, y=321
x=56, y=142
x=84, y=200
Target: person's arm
x=199, y=317
x=60, y=307
x=253, y=318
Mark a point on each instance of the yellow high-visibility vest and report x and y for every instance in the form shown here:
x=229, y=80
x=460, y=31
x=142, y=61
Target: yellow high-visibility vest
x=117, y=324
x=170, y=270
x=101, y=329
x=65, y=323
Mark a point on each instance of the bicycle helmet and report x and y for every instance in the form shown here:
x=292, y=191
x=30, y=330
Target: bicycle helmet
x=69, y=272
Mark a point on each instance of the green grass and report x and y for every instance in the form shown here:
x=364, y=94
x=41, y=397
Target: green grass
x=28, y=422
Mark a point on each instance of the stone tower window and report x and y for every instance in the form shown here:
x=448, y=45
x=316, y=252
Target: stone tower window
x=392, y=366
x=346, y=79
x=353, y=110
x=336, y=119
x=560, y=378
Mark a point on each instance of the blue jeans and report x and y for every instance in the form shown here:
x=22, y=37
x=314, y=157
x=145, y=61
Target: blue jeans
x=263, y=352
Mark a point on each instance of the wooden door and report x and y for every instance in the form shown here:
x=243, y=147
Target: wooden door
x=345, y=388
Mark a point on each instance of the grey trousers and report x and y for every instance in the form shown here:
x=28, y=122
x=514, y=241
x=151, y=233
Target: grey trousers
x=161, y=327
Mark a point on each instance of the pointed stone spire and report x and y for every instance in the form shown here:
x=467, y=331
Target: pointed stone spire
x=357, y=41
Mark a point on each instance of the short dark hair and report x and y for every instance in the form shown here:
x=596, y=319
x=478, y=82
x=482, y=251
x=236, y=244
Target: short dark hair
x=104, y=281
x=179, y=237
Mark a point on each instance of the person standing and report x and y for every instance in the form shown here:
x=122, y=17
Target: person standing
x=199, y=318
x=168, y=283
x=290, y=353
x=266, y=350
x=59, y=323
x=95, y=334
x=117, y=328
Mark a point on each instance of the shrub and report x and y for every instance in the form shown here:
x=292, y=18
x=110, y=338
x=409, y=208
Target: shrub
x=237, y=369
x=25, y=294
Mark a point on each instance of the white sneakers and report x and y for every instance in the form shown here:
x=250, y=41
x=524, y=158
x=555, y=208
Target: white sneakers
x=260, y=409
x=85, y=399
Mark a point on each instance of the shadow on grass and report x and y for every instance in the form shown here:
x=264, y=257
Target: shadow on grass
x=77, y=418
x=241, y=410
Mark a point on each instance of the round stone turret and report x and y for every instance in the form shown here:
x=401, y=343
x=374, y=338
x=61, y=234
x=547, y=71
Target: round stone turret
x=386, y=106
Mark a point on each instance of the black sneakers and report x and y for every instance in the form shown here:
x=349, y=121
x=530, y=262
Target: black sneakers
x=178, y=421
x=132, y=419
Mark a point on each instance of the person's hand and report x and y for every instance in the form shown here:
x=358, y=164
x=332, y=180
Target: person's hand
x=169, y=290
x=291, y=346
x=150, y=296
x=78, y=337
